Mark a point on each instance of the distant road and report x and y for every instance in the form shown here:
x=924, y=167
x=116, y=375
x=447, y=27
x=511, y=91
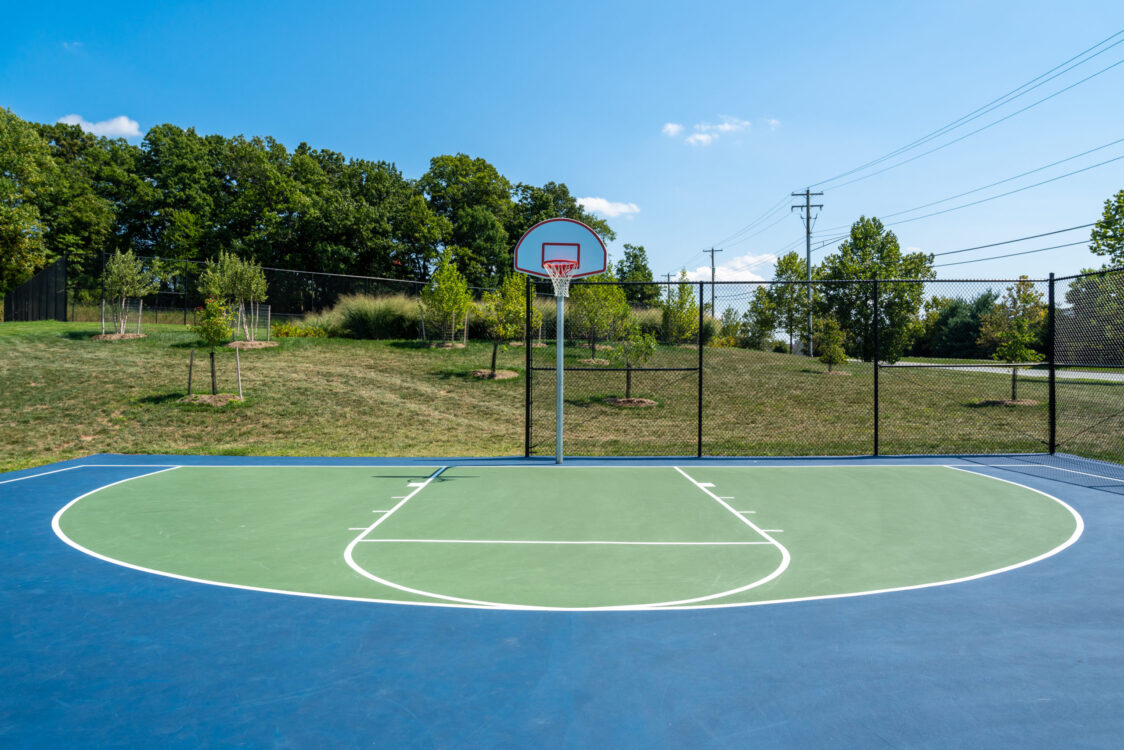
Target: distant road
x=1060, y=373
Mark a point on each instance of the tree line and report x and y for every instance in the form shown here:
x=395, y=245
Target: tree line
x=179, y=194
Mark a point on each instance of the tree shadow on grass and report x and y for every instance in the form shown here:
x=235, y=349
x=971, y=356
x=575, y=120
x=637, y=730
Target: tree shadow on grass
x=161, y=398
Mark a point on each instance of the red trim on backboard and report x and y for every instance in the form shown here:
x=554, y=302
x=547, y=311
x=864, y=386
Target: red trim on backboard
x=577, y=250
x=542, y=274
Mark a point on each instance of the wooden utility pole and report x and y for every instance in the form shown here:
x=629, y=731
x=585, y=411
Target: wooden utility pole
x=713, y=312
x=806, y=210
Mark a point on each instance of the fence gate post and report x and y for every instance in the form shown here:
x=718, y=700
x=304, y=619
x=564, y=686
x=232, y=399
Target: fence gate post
x=1050, y=334
x=877, y=357
x=699, y=340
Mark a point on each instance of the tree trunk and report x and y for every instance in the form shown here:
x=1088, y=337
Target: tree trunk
x=495, y=348
x=1014, y=384
x=627, y=380
x=790, y=342
x=592, y=346
x=214, y=383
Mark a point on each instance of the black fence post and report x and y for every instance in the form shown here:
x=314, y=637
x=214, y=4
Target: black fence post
x=184, y=291
x=65, y=287
x=877, y=358
x=1050, y=333
x=527, y=373
x=699, y=339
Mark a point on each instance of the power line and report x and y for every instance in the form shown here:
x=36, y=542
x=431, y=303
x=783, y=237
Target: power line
x=1010, y=255
x=994, y=184
x=979, y=112
x=979, y=130
x=1009, y=192
x=1008, y=242
x=990, y=198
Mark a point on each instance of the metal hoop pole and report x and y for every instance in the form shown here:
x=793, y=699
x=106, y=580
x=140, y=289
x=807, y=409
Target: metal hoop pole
x=558, y=350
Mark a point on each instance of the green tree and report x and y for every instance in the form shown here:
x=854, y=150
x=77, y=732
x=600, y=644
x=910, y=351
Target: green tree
x=213, y=327
x=634, y=268
x=504, y=312
x=1108, y=233
x=680, y=312
x=1090, y=328
x=1013, y=327
x=26, y=168
x=634, y=347
x=789, y=301
x=237, y=282
x=759, y=321
x=872, y=252
x=552, y=200
x=829, y=342
x=80, y=221
x=597, y=311
x=446, y=298
x=126, y=278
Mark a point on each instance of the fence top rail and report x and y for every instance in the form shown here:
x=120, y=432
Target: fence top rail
x=1102, y=272
x=308, y=273
x=803, y=282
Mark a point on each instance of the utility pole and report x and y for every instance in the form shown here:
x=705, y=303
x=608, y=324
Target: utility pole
x=669, y=275
x=807, y=215
x=712, y=251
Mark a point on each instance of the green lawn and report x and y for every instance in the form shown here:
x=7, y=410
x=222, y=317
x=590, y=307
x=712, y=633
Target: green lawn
x=65, y=395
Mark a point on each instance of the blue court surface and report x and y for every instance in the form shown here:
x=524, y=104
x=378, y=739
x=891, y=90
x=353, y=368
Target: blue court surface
x=100, y=651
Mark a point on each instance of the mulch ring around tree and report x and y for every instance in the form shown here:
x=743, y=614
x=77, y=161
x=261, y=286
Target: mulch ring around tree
x=206, y=399
x=251, y=344
x=594, y=361
x=630, y=402
x=500, y=374
x=118, y=336
x=445, y=345
x=1008, y=402
x=534, y=344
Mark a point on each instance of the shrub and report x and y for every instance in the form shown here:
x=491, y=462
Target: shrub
x=298, y=331
x=363, y=317
x=779, y=347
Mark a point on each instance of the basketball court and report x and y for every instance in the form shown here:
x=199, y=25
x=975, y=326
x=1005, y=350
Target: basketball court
x=184, y=601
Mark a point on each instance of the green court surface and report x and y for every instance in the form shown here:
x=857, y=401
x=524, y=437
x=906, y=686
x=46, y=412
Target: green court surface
x=570, y=537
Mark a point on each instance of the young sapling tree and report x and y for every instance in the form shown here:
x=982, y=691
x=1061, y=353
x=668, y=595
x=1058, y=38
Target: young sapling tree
x=214, y=329
x=503, y=313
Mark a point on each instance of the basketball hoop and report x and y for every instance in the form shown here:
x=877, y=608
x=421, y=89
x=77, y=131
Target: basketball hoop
x=559, y=271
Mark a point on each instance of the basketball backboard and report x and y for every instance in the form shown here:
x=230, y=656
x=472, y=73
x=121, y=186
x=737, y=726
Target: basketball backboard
x=560, y=239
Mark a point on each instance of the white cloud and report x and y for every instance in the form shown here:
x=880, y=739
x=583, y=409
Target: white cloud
x=672, y=129
x=607, y=207
x=115, y=127
x=773, y=123
x=742, y=268
x=701, y=139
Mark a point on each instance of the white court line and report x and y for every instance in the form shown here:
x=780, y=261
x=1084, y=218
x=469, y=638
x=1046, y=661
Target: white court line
x=785, y=556
x=381, y=511
x=41, y=474
x=1043, y=466
x=624, y=608
x=773, y=531
x=548, y=541
x=348, y=555
x=741, y=512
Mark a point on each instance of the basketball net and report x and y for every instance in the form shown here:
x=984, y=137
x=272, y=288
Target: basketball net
x=560, y=271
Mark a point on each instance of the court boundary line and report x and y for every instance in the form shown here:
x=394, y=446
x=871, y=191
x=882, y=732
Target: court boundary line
x=550, y=541
x=968, y=469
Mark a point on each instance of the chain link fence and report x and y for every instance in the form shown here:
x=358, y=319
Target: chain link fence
x=42, y=297
x=1004, y=366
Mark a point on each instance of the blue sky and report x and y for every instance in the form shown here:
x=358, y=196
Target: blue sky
x=768, y=98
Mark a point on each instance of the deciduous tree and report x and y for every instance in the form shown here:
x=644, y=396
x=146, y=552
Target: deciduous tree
x=872, y=252
x=1013, y=327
